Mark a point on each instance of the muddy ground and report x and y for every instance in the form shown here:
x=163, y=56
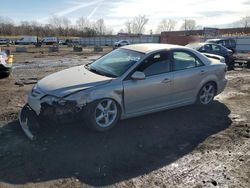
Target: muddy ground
x=191, y=146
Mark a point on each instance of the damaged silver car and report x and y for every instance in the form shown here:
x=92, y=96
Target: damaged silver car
x=127, y=82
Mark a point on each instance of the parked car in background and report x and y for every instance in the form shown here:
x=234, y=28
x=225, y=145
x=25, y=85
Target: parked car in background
x=217, y=49
x=49, y=40
x=72, y=42
x=4, y=41
x=229, y=43
x=130, y=81
x=62, y=42
x=6, y=61
x=27, y=40
x=121, y=43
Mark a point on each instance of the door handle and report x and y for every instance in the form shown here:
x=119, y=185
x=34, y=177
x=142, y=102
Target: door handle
x=203, y=72
x=166, y=80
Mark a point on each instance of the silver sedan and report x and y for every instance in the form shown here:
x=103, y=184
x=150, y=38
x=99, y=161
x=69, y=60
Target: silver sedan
x=127, y=82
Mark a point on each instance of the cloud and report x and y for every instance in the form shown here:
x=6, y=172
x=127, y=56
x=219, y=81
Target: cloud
x=77, y=6
x=94, y=10
x=246, y=2
x=216, y=13
x=116, y=12
x=74, y=6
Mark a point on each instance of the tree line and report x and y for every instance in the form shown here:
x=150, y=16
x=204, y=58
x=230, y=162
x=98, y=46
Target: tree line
x=63, y=27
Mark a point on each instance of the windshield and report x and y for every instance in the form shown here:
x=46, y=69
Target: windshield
x=115, y=63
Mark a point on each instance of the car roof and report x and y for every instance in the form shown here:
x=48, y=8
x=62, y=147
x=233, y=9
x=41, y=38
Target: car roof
x=220, y=39
x=213, y=39
x=150, y=47
x=122, y=40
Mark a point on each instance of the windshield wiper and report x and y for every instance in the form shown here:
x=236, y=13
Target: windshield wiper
x=88, y=67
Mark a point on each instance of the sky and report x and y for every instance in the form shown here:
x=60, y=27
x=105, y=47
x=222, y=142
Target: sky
x=116, y=12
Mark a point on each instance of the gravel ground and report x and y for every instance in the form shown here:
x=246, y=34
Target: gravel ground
x=191, y=146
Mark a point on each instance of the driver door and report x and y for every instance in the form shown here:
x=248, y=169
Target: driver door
x=155, y=91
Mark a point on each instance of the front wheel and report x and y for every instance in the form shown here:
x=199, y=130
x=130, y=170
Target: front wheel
x=103, y=114
x=206, y=94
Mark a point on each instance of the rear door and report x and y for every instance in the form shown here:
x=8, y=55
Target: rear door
x=188, y=72
x=155, y=91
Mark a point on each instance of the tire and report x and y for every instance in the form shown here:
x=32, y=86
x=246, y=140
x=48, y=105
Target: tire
x=248, y=64
x=230, y=68
x=206, y=94
x=103, y=114
x=230, y=63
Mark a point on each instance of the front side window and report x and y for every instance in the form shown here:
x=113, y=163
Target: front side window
x=222, y=42
x=157, y=63
x=115, y=63
x=184, y=60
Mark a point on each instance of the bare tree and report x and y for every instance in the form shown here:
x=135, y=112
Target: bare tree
x=188, y=25
x=166, y=25
x=121, y=31
x=138, y=24
x=83, y=23
x=66, y=25
x=6, y=26
x=245, y=21
x=57, y=24
x=128, y=25
x=100, y=27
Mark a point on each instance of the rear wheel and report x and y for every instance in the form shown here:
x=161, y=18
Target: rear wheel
x=206, y=94
x=103, y=114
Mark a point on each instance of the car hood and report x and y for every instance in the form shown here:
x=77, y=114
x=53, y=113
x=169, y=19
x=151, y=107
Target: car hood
x=70, y=80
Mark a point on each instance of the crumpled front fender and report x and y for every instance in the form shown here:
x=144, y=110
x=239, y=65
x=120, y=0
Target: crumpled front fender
x=28, y=121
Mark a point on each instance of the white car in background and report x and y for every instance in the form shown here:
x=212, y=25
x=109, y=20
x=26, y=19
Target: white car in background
x=25, y=40
x=4, y=41
x=121, y=43
x=49, y=40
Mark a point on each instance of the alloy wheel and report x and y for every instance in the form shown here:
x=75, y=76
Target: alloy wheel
x=106, y=113
x=207, y=93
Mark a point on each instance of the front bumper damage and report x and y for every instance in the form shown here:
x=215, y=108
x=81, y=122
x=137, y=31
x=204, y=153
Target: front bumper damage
x=30, y=120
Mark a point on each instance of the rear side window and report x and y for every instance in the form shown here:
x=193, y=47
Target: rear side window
x=233, y=43
x=222, y=42
x=205, y=48
x=185, y=60
x=216, y=47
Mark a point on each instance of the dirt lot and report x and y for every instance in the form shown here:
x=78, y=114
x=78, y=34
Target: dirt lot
x=191, y=146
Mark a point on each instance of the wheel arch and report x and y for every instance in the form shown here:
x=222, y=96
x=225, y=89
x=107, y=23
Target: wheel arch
x=116, y=96
x=204, y=82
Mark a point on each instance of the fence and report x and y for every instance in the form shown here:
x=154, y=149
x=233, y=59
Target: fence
x=110, y=40
x=243, y=42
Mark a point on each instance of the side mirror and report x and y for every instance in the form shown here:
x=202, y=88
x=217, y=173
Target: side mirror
x=138, y=75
